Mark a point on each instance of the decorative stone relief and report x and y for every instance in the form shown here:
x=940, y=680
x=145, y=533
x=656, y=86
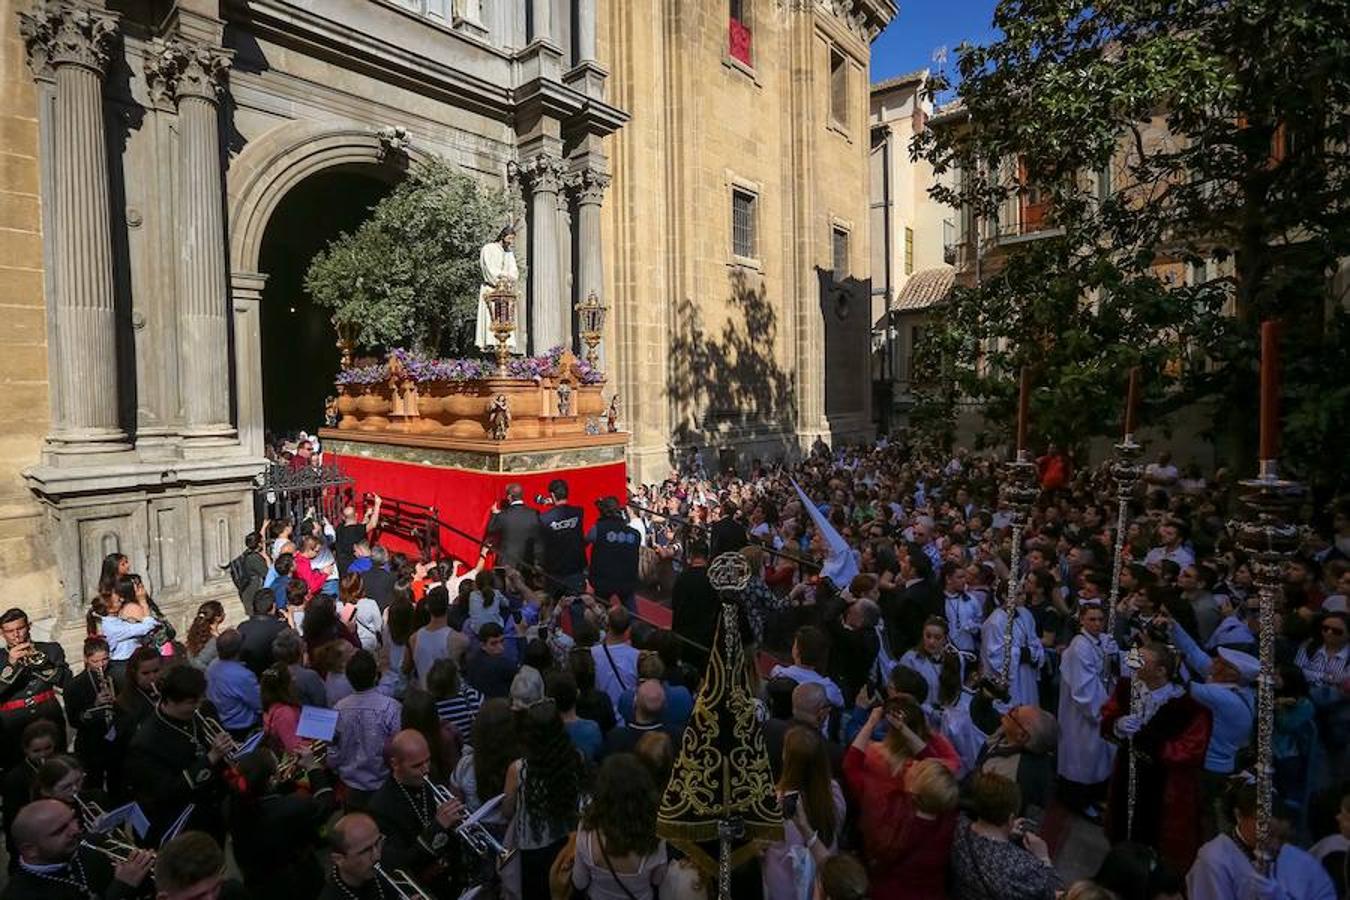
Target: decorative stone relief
x=175, y=69
x=540, y=172
x=63, y=33
x=394, y=143
x=588, y=185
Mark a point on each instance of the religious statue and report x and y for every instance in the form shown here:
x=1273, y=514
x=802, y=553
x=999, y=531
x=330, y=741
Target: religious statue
x=330, y=411
x=564, y=400
x=499, y=417
x=612, y=415
x=497, y=260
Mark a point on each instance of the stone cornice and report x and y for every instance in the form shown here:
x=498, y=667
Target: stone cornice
x=59, y=33
x=176, y=68
x=863, y=18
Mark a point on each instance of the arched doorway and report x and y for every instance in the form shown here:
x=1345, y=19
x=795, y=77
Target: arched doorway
x=298, y=342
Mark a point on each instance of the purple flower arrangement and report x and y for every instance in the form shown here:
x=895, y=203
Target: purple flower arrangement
x=422, y=369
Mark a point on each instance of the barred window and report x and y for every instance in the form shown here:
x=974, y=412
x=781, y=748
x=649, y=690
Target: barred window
x=840, y=248
x=743, y=237
x=909, y=251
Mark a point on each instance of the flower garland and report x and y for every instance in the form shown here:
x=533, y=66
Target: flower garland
x=422, y=369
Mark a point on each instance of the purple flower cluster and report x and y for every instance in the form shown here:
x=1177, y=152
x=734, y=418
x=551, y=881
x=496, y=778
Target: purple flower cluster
x=363, y=375
x=422, y=369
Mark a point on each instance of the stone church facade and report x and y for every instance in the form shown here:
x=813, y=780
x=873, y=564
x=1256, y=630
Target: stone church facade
x=144, y=148
x=738, y=224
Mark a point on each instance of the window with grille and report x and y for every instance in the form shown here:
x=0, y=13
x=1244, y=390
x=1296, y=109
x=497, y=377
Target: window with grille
x=743, y=223
x=909, y=251
x=840, y=248
x=838, y=87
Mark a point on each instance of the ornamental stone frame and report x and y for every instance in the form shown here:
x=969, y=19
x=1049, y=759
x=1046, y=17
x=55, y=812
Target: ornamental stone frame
x=167, y=138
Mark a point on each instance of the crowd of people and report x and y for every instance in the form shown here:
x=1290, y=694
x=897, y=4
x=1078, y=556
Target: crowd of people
x=510, y=722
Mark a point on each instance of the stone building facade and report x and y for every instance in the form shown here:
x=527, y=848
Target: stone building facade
x=145, y=149
x=739, y=278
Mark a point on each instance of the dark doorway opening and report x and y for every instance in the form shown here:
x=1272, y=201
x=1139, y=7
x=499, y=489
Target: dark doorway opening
x=299, y=344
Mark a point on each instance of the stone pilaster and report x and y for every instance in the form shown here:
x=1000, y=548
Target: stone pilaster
x=71, y=45
x=541, y=176
x=191, y=74
x=541, y=18
x=588, y=186
x=586, y=30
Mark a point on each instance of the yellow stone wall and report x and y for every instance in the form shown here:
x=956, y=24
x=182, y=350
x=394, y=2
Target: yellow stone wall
x=26, y=567
x=708, y=349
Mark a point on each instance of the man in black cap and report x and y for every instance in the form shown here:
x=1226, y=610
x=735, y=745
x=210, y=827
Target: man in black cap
x=564, y=543
x=615, y=546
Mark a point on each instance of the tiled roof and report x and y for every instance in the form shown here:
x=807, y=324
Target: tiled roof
x=917, y=75
x=926, y=288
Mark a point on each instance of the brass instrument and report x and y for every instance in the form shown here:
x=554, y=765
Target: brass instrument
x=114, y=848
x=36, y=659
x=213, y=730
x=402, y=884
x=289, y=767
x=102, y=687
x=440, y=793
x=90, y=813
x=482, y=841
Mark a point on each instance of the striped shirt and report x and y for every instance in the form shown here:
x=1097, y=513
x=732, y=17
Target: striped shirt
x=1321, y=668
x=460, y=711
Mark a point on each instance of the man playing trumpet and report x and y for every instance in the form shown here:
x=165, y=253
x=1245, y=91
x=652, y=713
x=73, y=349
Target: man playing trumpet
x=55, y=865
x=31, y=674
x=177, y=757
x=417, y=818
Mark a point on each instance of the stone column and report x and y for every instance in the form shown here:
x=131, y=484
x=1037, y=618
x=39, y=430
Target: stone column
x=541, y=20
x=192, y=73
x=586, y=25
x=71, y=44
x=589, y=187
x=541, y=175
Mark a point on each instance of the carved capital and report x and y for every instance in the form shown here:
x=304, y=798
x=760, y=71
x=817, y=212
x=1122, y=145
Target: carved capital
x=176, y=69
x=540, y=172
x=59, y=33
x=394, y=143
x=588, y=185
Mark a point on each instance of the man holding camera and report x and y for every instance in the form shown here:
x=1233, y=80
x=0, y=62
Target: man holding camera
x=31, y=673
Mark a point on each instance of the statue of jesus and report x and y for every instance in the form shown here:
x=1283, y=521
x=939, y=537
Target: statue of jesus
x=497, y=260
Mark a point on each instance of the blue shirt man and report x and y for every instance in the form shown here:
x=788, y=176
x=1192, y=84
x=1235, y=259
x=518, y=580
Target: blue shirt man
x=1227, y=691
x=232, y=688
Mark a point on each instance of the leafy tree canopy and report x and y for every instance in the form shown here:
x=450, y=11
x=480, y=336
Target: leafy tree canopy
x=409, y=275
x=1193, y=155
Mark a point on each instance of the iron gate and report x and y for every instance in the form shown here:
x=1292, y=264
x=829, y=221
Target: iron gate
x=284, y=493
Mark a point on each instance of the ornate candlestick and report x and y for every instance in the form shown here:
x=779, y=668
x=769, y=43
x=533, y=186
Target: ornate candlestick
x=1126, y=471
x=1269, y=536
x=591, y=320
x=1021, y=487
x=1134, y=661
x=502, y=302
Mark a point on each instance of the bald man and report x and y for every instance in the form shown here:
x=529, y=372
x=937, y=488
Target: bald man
x=648, y=707
x=53, y=865
x=810, y=709
x=356, y=846
x=418, y=831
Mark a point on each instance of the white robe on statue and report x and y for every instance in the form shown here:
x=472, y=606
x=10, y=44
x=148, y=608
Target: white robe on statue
x=1084, y=755
x=1222, y=871
x=496, y=262
x=1024, y=688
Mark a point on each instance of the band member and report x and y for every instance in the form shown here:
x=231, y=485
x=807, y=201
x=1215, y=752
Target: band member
x=91, y=701
x=356, y=849
x=136, y=702
x=1085, y=757
x=53, y=865
x=176, y=758
x=1168, y=735
x=276, y=828
x=192, y=867
x=418, y=829
x=30, y=675
x=39, y=743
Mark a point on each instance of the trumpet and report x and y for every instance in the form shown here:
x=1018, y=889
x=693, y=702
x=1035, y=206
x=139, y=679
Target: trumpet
x=103, y=689
x=213, y=730
x=402, y=883
x=439, y=793
x=90, y=813
x=35, y=659
x=482, y=841
x=115, y=849
x=289, y=766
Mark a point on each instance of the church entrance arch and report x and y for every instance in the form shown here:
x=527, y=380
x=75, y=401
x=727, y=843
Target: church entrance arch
x=292, y=191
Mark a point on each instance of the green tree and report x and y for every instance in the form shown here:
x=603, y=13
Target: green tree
x=409, y=275
x=1205, y=133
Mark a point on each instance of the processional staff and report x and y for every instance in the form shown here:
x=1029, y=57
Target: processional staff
x=1021, y=489
x=1270, y=536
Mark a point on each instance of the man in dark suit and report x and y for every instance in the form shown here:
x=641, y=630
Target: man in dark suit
x=695, y=606
x=258, y=632
x=378, y=580
x=905, y=610
x=564, y=543
x=726, y=535
x=31, y=673
x=514, y=531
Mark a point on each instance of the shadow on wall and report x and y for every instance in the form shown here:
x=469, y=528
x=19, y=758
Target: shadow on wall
x=729, y=386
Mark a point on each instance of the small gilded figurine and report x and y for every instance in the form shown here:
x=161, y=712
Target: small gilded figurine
x=499, y=417
x=564, y=400
x=612, y=415
x=330, y=412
